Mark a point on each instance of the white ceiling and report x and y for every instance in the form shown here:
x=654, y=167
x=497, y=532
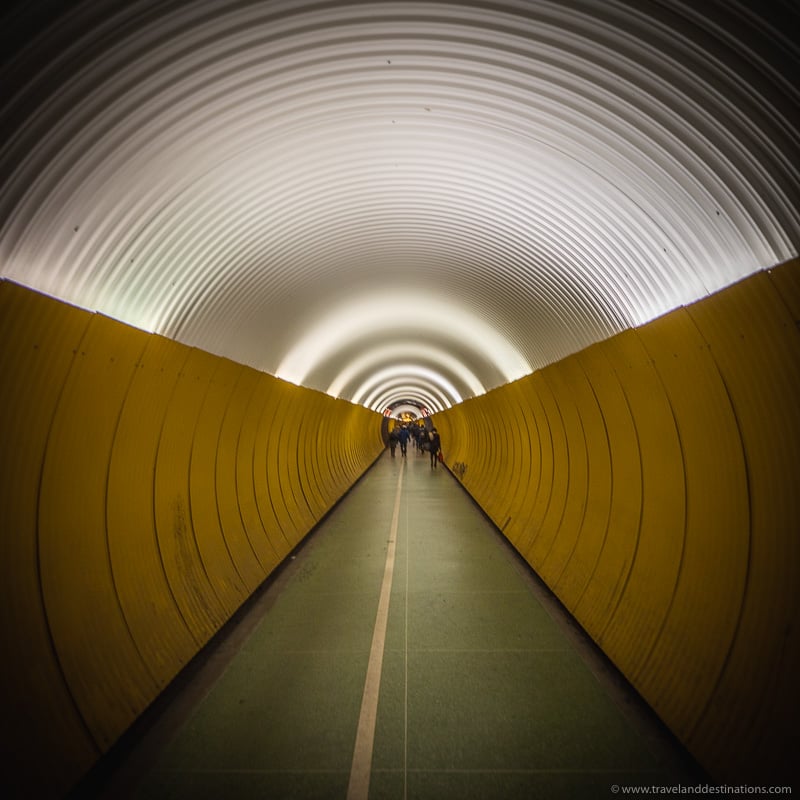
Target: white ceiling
x=397, y=200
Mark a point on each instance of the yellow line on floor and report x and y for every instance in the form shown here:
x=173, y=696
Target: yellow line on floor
x=358, y=788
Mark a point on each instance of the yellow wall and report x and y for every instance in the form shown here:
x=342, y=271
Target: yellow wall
x=652, y=482
x=146, y=490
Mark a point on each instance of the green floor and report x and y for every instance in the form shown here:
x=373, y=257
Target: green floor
x=484, y=692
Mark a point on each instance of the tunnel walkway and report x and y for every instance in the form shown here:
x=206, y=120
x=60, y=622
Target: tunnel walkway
x=485, y=688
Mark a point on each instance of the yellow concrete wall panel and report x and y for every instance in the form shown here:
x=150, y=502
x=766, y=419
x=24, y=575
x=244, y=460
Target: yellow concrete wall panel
x=477, y=420
x=499, y=457
x=307, y=415
x=345, y=457
x=522, y=503
x=585, y=523
x=756, y=344
x=510, y=461
x=484, y=446
x=457, y=430
x=363, y=431
x=313, y=432
x=262, y=530
x=252, y=572
x=496, y=450
x=704, y=610
x=354, y=444
x=264, y=486
x=291, y=455
x=636, y=622
x=177, y=536
x=527, y=467
x=328, y=441
x=265, y=483
x=105, y=670
x=213, y=547
x=320, y=469
x=446, y=432
x=552, y=499
x=518, y=480
x=568, y=386
x=356, y=438
x=310, y=433
x=613, y=551
x=479, y=481
x=357, y=444
x=278, y=453
x=535, y=502
x=481, y=453
x=283, y=453
x=136, y=561
x=40, y=721
x=485, y=420
x=335, y=450
x=447, y=425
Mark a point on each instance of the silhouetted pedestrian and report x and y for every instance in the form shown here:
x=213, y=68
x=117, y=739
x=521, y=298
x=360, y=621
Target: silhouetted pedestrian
x=403, y=437
x=434, y=445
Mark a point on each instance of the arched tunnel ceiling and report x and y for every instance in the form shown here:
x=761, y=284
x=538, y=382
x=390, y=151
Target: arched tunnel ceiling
x=393, y=200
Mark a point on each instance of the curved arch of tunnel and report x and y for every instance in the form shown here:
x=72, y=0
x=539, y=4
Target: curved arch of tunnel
x=563, y=215
x=297, y=187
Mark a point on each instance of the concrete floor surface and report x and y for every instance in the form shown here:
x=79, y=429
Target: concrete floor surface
x=487, y=689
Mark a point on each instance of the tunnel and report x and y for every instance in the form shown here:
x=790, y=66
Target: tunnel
x=238, y=237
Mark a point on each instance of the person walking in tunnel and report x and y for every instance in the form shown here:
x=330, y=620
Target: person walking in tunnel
x=403, y=435
x=434, y=445
x=392, y=440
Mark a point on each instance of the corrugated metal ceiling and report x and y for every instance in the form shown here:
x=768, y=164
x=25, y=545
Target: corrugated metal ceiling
x=390, y=200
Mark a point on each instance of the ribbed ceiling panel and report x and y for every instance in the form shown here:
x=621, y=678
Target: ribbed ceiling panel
x=392, y=200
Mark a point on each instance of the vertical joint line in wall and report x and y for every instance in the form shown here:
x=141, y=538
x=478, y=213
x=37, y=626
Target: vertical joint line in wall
x=582, y=522
x=190, y=514
x=277, y=489
x=164, y=571
x=657, y=636
x=554, y=466
x=726, y=660
x=300, y=459
x=568, y=469
x=117, y=599
x=216, y=488
x=50, y=638
x=247, y=532
x=612, y=614
x=611, y=487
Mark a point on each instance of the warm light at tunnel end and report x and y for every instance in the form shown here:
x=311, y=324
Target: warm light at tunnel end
x=404, y=371
x=402, y=390
x=425, y=318
x=381, y=355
